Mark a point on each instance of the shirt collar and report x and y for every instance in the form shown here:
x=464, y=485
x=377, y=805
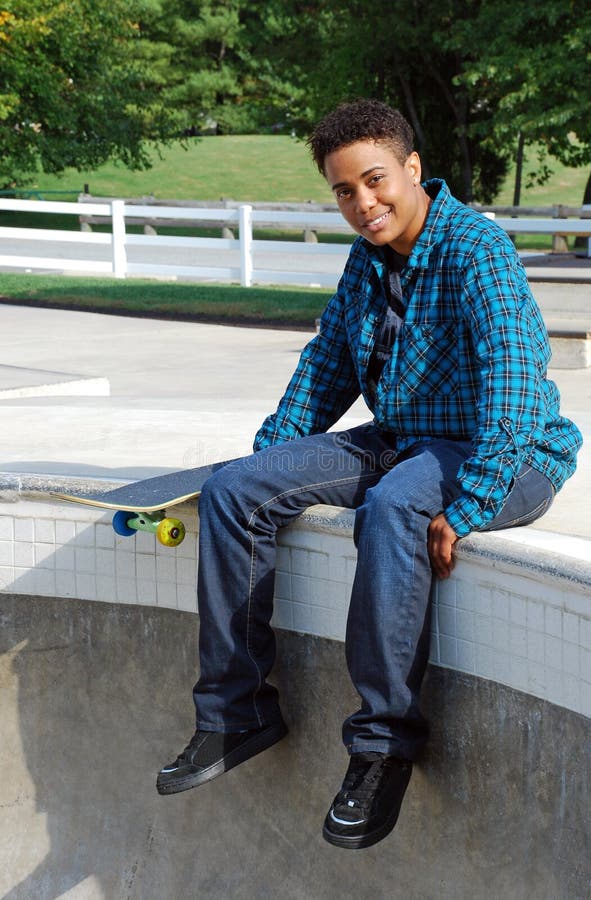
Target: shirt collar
x=432, y=234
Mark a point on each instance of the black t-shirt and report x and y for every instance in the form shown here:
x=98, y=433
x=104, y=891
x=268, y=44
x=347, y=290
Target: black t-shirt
x=392, y=321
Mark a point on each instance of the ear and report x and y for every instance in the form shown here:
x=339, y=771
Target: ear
x=413, y=167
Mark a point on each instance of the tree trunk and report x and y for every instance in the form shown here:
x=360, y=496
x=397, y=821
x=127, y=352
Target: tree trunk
x=582, y=243
x=414, y=120
x=518, y=169
x=459, y=108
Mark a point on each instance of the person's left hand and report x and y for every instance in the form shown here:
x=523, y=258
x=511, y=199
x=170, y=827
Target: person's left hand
x=440, y=543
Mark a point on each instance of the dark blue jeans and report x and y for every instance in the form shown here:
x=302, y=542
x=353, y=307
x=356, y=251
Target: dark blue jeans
x=387, y=641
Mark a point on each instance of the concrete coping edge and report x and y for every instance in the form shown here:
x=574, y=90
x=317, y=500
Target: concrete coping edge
x=497, y=548
x=493, y=547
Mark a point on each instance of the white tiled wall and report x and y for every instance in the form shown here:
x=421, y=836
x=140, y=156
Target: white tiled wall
x=517, y=625
x=314, y=576
x=58, y=550
x=532, y=635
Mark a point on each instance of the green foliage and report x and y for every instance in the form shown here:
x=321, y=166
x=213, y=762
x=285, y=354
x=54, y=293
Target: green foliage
x=340, y=49
x=534, y=73
x=208, y=63
x=469, y=75
x=71, y=92
x=85, y=81
x=188, y=46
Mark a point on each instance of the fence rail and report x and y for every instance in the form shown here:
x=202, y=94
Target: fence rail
x=153, y=214
x=244, y=259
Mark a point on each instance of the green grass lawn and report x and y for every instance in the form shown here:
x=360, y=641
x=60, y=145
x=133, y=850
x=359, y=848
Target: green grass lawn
x=264, y=168
x=231, y=304
x=566, y=186
x=237, y=167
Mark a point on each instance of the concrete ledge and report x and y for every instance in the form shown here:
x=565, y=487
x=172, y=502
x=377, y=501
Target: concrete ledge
x=516, y=610
x=567, y=314
x=559, y=556
x=570, y=344
x=570, y=352
x=550, y=275
x=16, y=383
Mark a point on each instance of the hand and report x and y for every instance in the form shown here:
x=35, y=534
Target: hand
x=440, y=543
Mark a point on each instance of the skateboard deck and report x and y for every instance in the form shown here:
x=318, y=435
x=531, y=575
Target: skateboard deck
x=141, y=505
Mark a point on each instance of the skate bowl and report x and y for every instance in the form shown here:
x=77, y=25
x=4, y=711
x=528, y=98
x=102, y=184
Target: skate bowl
x=99, y=653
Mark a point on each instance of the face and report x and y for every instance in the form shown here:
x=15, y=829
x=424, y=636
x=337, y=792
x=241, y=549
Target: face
x=380, y=197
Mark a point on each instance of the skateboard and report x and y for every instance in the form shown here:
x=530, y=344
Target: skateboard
x=142, y=505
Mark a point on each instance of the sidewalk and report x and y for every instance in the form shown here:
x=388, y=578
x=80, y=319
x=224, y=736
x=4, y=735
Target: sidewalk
x=152, y=396
x=557, y=268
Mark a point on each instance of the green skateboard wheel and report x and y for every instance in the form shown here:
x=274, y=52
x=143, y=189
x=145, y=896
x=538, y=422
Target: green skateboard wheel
x=170, y=532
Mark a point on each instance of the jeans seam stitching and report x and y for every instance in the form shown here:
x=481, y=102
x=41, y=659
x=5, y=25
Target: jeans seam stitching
x=530, y=516
x=249, y=624
x=253, y=564
x=307, y=487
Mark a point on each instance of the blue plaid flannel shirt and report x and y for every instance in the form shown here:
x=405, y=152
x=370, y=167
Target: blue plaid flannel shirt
x=469, y=362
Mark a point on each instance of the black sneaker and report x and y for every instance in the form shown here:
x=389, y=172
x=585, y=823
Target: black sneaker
x=366, y=808
x=210, y=753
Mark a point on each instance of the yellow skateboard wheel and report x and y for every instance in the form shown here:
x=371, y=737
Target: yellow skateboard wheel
x=170, y=532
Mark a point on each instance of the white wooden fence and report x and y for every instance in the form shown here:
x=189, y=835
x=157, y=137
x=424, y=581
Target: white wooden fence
x=301, y=263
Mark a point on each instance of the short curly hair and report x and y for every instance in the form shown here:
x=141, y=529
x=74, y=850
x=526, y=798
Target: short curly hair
x=361, y=120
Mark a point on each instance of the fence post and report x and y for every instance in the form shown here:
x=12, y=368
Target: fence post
x=119, y=254
x=559, y=241
x=583, y=244
x=245, y=236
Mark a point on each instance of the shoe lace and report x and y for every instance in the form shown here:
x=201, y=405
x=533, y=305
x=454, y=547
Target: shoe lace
x=187, y=753
x=362, y=777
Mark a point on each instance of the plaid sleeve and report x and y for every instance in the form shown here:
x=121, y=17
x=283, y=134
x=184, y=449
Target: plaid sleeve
x=511, y=350
x=323, y=386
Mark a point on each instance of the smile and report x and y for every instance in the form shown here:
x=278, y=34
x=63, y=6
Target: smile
x=376, y=224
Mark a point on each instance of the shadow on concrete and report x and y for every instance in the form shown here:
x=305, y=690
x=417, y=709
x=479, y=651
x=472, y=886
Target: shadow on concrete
x=53, y=470
x=95, y=697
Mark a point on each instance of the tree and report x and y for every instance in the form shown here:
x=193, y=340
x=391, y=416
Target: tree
x=534, y=72
x=190, y=48
x=218, y=62
x=399, y=53
x=71, y=93
x=474, y=77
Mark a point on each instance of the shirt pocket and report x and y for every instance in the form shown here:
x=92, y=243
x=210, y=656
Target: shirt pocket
x=429, y=359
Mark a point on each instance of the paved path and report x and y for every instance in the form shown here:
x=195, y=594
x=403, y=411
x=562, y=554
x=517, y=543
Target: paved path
x=181, y=395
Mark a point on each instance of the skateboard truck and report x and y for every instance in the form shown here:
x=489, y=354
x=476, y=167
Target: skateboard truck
x=168, y=531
